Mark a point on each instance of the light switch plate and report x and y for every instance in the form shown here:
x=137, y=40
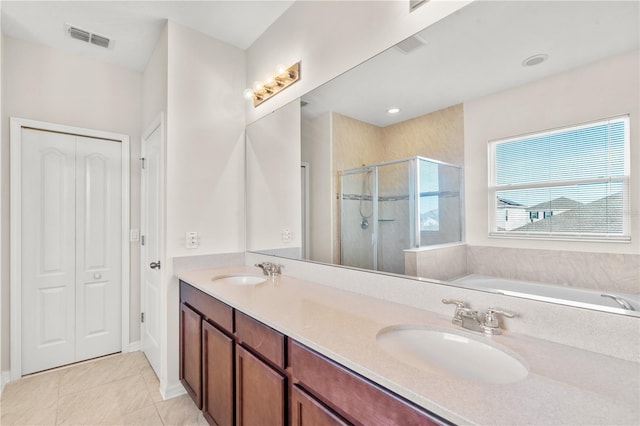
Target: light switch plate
x=192, y=240
x=287, y=236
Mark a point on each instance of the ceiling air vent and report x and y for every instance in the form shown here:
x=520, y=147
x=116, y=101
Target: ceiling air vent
x=100, y=41
x=87, y=37
x=79, y=34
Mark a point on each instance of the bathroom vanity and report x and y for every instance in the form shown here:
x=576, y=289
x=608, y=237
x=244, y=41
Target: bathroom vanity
x=273, y=378
x=290, y=351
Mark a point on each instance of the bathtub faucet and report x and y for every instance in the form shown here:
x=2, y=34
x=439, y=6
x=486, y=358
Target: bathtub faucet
x=471, y=320
x=620, y=301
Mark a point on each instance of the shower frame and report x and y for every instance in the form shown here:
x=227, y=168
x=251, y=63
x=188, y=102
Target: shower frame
x=414, y=195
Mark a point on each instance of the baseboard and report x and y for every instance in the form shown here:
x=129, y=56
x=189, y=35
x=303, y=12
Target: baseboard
x=133, y=347
x=170, y=392
x=5, y=377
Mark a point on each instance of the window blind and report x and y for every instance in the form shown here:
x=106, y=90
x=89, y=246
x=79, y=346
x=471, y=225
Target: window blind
x=572, y=181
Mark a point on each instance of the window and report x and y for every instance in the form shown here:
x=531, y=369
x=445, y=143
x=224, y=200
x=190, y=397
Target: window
x=578, y=177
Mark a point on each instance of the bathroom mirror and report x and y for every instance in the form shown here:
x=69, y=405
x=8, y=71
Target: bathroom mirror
x=407, y=192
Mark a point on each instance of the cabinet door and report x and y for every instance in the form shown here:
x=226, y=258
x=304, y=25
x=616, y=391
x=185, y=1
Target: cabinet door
x=217, y=376
x=260, y=392
x=191, y=353
x=307, y=411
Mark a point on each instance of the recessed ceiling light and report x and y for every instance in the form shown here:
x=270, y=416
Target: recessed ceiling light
x=393, y=110
x=534, y=60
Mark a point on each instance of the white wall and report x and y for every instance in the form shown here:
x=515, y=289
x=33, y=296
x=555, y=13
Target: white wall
x=600, y=90
x=154, y=82
x=45, y=84
x=205, y=162
x=205, y=149
x=331, y=37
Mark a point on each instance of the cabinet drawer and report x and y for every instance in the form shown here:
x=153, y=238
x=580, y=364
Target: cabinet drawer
x=263, y=339
x=209, y=307
x=353, y=397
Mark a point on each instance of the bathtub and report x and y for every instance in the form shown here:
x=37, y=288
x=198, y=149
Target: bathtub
x=573, y=296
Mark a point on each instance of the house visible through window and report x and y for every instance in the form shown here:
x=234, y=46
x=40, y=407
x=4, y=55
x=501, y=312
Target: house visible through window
x=566, y=183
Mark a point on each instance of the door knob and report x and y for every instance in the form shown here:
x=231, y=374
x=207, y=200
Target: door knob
x=155, y=265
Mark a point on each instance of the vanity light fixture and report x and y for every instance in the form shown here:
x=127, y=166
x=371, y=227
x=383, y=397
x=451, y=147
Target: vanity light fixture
x=283, y=78
x=393, y=110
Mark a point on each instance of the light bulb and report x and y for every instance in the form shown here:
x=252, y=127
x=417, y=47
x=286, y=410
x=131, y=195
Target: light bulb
x=281, y=70
x=257, y=86
x=393, y=110
x=248, y=93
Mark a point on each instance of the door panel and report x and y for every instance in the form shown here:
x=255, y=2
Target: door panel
x=48, y=250
x=98, y=247
x=191, y=353
x=52, y=304
x=217, y=376
x=71, y=248
x=260, y=392
x=151, y=223
x=94, y=309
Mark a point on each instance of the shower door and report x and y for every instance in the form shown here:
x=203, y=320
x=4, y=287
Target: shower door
x=359, y=218
x=395, y=214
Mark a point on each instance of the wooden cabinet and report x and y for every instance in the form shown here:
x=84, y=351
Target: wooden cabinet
x=217, y=376
x=308, y=411
x=260, y=392
x=207, y=354
x=190, y=353
x=263, y=339
x=232, y=366
x=240, y=371
x=353, y=397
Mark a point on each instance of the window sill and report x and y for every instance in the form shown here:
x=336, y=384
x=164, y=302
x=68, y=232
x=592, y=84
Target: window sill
x=559, y=237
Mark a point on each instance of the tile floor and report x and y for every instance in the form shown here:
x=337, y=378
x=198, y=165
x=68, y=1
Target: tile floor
x=121, y=389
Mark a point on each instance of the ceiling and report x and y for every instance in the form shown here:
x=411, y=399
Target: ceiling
x=135, y=26
x=479, y=51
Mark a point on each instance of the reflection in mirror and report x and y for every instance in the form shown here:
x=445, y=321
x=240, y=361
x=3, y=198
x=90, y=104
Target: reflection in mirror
x=390, y=207
x=274, y=188
x=408, y=192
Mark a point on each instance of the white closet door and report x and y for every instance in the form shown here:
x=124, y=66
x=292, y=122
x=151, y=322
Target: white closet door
x=71, y=248
x=98, y=247
x=48, y=250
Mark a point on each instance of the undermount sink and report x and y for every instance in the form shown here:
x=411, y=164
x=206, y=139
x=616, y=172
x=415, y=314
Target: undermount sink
x=466, y=357
x=240, y=279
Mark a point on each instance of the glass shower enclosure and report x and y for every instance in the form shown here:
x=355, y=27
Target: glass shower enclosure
x=387, y=208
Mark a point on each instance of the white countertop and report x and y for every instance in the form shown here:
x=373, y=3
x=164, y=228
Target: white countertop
x=565, y=385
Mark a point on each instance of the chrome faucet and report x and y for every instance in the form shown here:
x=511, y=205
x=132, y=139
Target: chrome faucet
x=457, y=314
x=469, y=319
x=620, y=301
x=271, y=269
